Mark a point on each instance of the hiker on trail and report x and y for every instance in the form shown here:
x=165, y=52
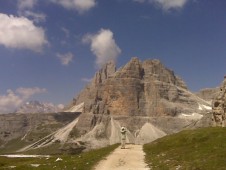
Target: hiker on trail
x=123, y=137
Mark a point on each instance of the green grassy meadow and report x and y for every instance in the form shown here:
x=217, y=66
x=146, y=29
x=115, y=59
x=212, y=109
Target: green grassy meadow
x=83, y=161
x=200, y=149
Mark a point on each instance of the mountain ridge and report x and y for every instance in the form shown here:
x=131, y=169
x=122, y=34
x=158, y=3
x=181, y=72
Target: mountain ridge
x=35, y=106
x=144, y=96
x=137, y=95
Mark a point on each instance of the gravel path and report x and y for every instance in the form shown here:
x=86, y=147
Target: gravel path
x=131, y=158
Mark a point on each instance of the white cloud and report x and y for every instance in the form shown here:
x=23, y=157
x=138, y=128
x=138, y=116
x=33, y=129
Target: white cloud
x=12, y=100
x=103, y=46
x=28, y=92
x=86, y=80
x=21, y=33
x=26, y=4
x=25, y=7
x=36, y=17
x=65, y=58
x=80, y=5
x=166, y=4
x=170, y=4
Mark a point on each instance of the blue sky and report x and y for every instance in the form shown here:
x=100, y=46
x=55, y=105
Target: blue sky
x=50, y=49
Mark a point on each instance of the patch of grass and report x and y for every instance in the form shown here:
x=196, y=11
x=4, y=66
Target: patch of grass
x=50, y=127
x=83, y=161
x=13, y=145
x=34, y=135
x=56, y=149
x=74, y=133
x=41, y=131
x=52, y=149
x=200, y=149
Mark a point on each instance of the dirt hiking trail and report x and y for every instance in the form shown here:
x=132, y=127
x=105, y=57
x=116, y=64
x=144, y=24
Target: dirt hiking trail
x=130, y=158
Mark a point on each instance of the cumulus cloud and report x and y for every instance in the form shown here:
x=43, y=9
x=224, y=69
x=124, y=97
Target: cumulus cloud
x=12, y=100
x=21, y=33
x=80, y=5
x=65, y=58
x=166, y=4
x=103, y=46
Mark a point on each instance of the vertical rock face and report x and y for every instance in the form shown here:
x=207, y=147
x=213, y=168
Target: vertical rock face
x=92, y=94
x=208, y=94
x=137, y=89
x=219, y=106
x=123, y=91
x=134, y=95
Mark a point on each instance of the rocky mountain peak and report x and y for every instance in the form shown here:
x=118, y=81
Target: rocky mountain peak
x=133, y=69
x=104, y=73
x=38, y=107
x=156, y=70
x=138, y=88
x=144, y=96
x=138, y=93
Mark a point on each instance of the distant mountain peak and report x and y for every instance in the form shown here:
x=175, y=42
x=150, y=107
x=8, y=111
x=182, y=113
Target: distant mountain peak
x=35, y=106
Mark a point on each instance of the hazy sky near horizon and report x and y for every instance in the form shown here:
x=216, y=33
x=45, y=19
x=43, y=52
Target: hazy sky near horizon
x=50, y=49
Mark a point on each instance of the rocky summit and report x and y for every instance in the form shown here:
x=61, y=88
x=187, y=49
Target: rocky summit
x=145, y=97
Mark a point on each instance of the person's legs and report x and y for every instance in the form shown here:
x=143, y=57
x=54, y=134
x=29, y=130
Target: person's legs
x=123, y=144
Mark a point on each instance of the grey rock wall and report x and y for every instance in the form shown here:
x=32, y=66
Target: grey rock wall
x=136, y=94
x=219, y=106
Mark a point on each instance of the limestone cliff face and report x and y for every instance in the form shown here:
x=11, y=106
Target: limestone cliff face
x=208, y=94
x=138, y=89
x=136, y=94
x=219, y=106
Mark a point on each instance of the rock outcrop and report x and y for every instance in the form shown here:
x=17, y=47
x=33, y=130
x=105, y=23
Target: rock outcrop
x=208, y=94
x=139, y=95
x=219, y=106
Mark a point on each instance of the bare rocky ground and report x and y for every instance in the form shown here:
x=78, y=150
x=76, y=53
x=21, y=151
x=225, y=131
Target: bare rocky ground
x=131, y=158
